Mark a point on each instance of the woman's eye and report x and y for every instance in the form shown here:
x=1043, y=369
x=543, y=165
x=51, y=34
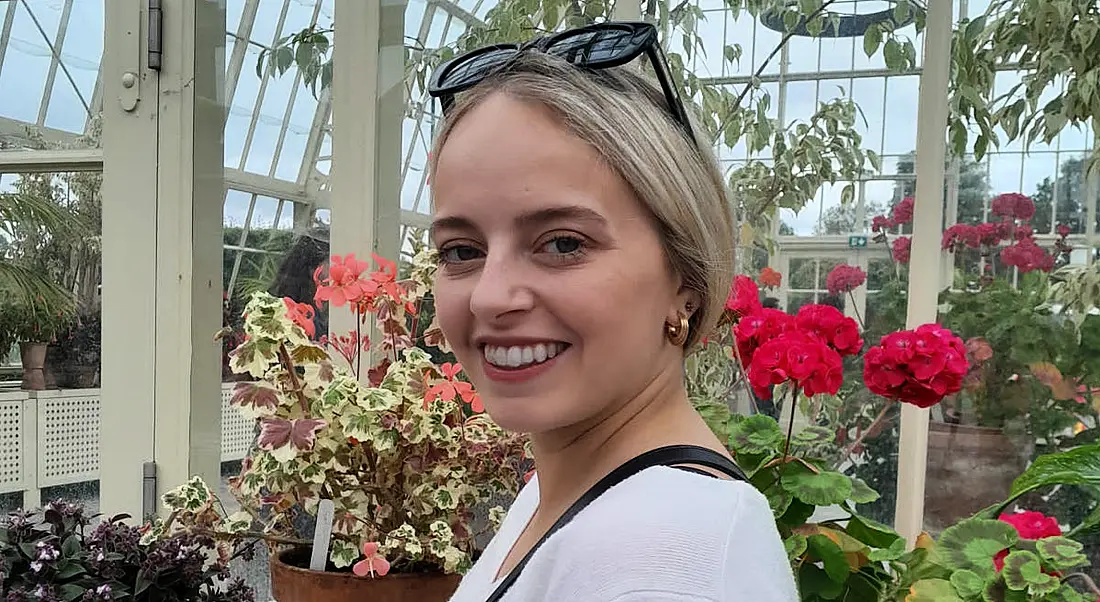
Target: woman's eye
x=459, y=253
x=564, y=245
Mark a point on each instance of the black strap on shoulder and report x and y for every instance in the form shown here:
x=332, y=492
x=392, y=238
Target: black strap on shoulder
x=671, y=455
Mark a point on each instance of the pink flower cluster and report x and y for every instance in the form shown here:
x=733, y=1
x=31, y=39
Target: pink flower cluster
x=1013, y=209
x=844, y=278
x=902, y=214
x=776, y=347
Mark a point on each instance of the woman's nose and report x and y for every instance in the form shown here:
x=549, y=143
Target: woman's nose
x=503, y=287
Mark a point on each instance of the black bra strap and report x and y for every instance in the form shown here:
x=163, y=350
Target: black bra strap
x=671, y=455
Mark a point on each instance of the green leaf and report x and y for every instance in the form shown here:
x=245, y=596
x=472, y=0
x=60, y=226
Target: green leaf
x=894, y=55
x=812, y=435
x=967, y=583
x=70, y=592
x=831, y=556
x=894, y=552
x=795, y=545
x=732, y=53
x=901, y=11
x=872, y=533
x=974, y=28
x=790, y=19
x=820, y=489
x=932, y=590
x=872, y=39
x=1077, y=466
x=972, y=544
x=717, y=417
x=1061, y=553
x=756, y=434
x=550, y=16
x=284, y=57
x=1023, y=571
x=862, y=492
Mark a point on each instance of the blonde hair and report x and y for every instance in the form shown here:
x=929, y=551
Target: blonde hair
x=624, y=116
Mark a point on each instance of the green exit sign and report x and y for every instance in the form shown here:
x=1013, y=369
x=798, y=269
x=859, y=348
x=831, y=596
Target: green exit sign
x=857, y=242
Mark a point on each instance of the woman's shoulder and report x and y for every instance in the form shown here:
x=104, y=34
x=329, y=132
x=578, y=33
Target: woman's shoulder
x=670, y=530
x=672, y=500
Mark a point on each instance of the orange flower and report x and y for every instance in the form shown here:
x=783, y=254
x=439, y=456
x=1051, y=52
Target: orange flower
x=770, y=278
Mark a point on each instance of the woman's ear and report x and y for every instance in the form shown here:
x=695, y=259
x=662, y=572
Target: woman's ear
x=687, y=303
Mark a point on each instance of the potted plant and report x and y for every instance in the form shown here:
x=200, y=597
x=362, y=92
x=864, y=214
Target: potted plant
x=400, y=445
x=55, y=555
x=34, y=325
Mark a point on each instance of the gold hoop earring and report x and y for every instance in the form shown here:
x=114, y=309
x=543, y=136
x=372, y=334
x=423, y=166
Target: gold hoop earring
x=678, y=333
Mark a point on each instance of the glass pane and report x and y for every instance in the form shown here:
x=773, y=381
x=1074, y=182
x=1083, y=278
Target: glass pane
x=803, y=273
x=46, y=97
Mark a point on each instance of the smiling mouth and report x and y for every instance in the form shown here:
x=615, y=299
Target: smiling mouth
x=521, y=356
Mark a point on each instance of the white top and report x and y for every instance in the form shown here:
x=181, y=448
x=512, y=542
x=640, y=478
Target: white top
x=662, y=535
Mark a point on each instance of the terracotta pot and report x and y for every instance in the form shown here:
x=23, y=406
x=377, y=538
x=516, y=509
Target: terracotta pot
x=969, y=469
x=33, y=356
x=291, y=583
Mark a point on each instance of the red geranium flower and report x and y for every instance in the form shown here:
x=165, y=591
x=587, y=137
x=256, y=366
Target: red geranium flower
x=844, y=278
x=796, y=356
x=758, y=328
x=918, y=367
x=901, y=249
x=1030, y=525
x=903, y=211
x=833, y=328
x=744, y=297
x=1013, y=206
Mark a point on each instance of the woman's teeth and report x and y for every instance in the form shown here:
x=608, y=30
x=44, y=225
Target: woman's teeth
x=520, y=356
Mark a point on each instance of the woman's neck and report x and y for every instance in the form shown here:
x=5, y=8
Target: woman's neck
x=571, y=460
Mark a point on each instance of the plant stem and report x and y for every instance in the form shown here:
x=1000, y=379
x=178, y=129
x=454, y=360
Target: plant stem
x=1088, y=581
x=790, y=423
x=358, y=344
x=288, y=365
x=881, y=416
x=855, y=308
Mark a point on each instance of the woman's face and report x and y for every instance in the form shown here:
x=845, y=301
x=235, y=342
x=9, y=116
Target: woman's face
x=553, y=287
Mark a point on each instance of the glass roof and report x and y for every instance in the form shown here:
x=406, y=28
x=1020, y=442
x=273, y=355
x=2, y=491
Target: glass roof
x=278, y=140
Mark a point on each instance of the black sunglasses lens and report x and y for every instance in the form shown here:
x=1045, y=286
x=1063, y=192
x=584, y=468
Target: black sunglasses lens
x=594, y=47
x=471, y=71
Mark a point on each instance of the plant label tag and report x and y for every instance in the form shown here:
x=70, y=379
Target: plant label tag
x=322, y=535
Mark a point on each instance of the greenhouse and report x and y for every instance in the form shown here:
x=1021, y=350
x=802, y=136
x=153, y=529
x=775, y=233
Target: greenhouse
x=180, y=177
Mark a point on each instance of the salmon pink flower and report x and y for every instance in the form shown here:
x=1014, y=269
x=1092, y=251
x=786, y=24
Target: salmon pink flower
x=344, y=283
x=770, y=278
x=301, y=314
x=373, y=563
x=451, y=387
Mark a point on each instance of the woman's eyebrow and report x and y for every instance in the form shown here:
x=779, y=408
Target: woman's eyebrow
x=533, y=217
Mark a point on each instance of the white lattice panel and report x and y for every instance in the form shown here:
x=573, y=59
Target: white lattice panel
x=68, y=437
x=11, y=445
x=238, y=432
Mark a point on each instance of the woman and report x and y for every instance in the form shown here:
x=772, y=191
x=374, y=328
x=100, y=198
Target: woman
x=585, y=243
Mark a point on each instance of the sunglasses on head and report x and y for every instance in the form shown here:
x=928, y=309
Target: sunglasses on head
x=599, y=46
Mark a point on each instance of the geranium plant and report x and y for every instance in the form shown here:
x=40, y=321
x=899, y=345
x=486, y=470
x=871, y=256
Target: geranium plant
x=997, y=555
x=400, y=444
x=55, y=555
